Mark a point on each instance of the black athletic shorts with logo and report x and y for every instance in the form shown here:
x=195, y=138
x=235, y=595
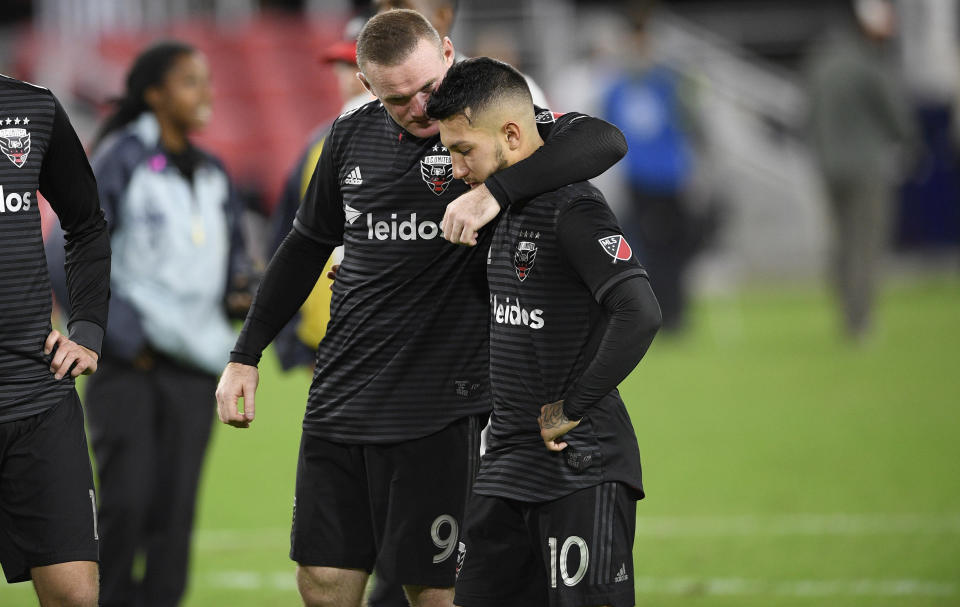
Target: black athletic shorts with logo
x=47, y=503
x=397, y=508
x=576, y=551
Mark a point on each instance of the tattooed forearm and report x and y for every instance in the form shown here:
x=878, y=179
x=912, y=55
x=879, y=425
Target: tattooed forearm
x=552, y=416
x=553, y=425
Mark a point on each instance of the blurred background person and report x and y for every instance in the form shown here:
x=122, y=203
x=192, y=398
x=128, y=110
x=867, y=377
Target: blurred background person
x=177, y=260
x=862, y=130
x=650, y=102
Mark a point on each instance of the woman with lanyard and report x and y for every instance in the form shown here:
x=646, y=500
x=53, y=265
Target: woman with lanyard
x=177, y=258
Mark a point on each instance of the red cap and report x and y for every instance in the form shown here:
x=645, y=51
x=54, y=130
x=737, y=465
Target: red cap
x=345, y=51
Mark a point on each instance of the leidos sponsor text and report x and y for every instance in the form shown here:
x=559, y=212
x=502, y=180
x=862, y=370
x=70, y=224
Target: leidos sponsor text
x=512, y=313
x=407, y=229
x=14, y=201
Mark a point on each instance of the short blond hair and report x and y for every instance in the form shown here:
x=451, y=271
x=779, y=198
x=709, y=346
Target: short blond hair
x=389, y=38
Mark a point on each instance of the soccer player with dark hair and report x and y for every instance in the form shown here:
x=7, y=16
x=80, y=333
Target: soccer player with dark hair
x=391, y=433
x=552, y=515
x=48, y=526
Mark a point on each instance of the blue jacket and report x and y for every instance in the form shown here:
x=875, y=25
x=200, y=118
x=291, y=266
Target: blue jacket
x=176, y=244
x=647, y=107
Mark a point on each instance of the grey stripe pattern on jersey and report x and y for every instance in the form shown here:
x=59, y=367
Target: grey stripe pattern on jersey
x=27, y=386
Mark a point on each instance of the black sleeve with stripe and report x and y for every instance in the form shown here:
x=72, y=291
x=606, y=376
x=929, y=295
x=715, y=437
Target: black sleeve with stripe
x=578, y=148
x=297, y=264
x=67, y=182
x=633, y=321
x=619, y=284
x=321, y=215
x=289, y=278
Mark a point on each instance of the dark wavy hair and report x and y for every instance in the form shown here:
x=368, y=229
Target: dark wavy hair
x=149, y=69
x=477, y=84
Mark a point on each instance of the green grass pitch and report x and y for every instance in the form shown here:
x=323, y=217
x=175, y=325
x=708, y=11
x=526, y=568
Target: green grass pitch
x=783, y=465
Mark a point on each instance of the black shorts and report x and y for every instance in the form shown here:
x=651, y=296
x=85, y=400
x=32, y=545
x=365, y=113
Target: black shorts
x=397, y=508
x=47, y=503
x=576, y=551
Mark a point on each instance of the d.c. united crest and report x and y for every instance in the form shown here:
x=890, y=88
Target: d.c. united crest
x=437, y=169
x=524, y=258
x=15, y=140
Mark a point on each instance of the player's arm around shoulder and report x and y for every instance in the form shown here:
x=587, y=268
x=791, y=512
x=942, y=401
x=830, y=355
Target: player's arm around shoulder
x=237, y=381
x=576, y=147
x=469, y=212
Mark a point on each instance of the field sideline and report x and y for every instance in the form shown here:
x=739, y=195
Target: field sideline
x=783, y=466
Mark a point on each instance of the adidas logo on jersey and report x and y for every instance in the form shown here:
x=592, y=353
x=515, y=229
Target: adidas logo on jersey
x=14, y=201
x=350, y=213
x=409, y=229
x=621, y=575
x=354, y=178
x=508, y=313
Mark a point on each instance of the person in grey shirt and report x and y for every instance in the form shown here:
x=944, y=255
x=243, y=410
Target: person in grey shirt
x=861, y=129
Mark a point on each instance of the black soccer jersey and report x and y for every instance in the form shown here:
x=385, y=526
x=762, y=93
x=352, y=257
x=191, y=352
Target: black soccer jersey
x=406, y=349
x=549, y=265
x=39, y=150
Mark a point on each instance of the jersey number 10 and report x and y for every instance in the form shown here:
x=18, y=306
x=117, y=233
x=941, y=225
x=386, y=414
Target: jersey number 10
x=569, y=580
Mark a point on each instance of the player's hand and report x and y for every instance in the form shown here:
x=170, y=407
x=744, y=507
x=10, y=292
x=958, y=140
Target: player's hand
x=553, y=425
x=467, y=214
x=238, y=381
x=70, y=356
x=332, y=274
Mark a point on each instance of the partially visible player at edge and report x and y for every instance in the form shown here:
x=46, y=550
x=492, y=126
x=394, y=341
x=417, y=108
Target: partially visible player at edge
x=48, y=529
x=391, y=433
x=551, y=519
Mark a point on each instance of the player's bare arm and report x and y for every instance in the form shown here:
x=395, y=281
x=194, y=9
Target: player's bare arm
x=69, y=357
x=467, y=214
x=237, y=381
x=554, y=424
